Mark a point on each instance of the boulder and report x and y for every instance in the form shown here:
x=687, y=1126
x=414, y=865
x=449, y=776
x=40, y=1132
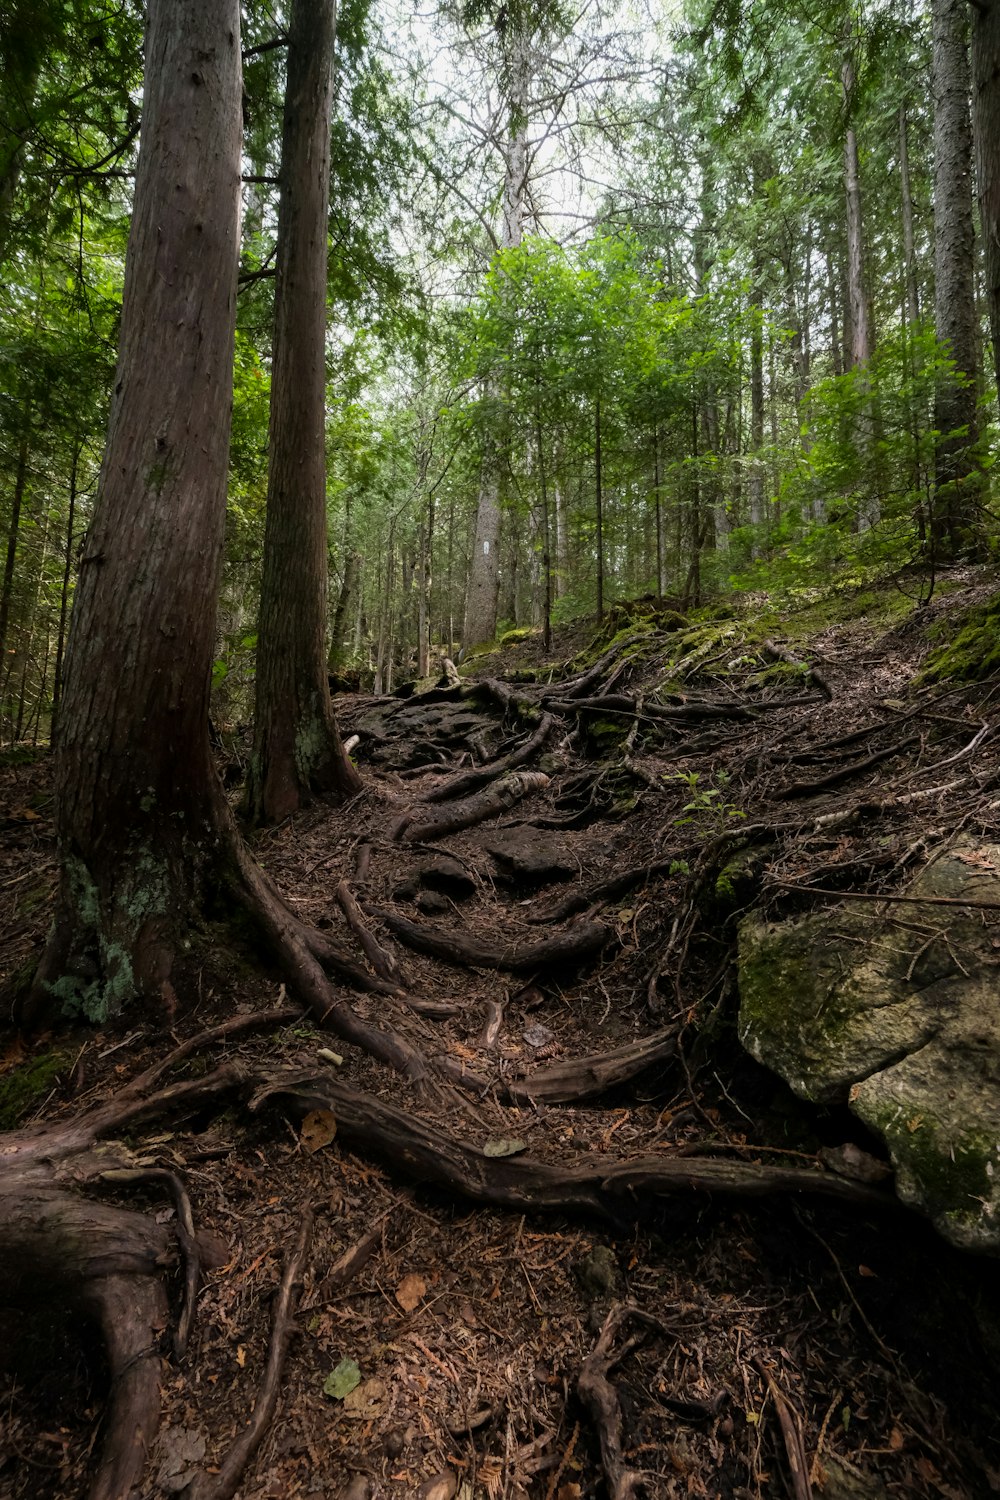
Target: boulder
x=892, y=1009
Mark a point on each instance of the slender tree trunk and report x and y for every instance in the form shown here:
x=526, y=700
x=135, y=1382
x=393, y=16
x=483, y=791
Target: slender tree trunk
x=862, y=338
x=348, y=589
x=661, y=571
x=17, y=500
x=912, y=303
x=756, y=485
x=955, y=520
x=57, y=685
x=143, y=825
x=480, y=626
x=599, y=507
x=297, y=751
x=986, y=121
x=546, y=555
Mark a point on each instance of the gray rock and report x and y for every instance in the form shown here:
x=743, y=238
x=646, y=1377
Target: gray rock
x=442, y=872
x=893, y=1010
x=531, y=855
x=432, y=904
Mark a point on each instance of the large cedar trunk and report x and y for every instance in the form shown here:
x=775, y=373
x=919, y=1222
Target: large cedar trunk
x=955, y=317
x=297, y=749
x=986, y=123
x=142, y=821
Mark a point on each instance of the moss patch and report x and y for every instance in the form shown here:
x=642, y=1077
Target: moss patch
x=27, y=1085
x=974, y=652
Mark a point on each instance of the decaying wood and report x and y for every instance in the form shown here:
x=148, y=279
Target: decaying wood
x=569, y=947
x=424, y=827
x=470, y=781
x=381, y=960
x=223, y=1486
x=814, y=675
x=791, y=1431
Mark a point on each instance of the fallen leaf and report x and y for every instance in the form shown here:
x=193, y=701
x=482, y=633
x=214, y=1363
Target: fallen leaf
x=441, y=1487
x=343, y=1379
x=504, y=1146
x=241, y=1356
x=319, y=1128
x=364, y=1400
x=895, y=1440
x=182, y=1450
x=538, y=1036
x=409, y=1292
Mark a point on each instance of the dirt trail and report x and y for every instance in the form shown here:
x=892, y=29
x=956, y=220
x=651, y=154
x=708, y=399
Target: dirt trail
x=593, y=1248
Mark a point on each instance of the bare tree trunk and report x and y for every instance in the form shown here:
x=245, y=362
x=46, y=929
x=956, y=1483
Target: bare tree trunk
x=986, y=120
x=17, y=500
x=484, y=565
x=909, y=251
x=143, y=825
x=954, y=522
x=64, y=593
x=297, y=750
x=756, y=486
x=599, y=507
x=862, y=338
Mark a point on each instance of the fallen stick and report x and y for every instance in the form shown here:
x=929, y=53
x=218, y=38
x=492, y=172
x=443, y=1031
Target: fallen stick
x=778, y=653
x=791, y=1431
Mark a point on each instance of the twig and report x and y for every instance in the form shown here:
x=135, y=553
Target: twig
x=791, y=1431
x=381, y=960
x=820, y=890
x=224, y=1485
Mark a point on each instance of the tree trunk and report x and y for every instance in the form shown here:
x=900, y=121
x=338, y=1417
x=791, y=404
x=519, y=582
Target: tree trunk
x=858, y=305
x=909, y=251
x=484, y=565
x=64, y=592
x=297, y=750
x=756, y=486
x=954, y=521
x=17, y=500
x=599, y=507
x=142, y=820
x=986, y=121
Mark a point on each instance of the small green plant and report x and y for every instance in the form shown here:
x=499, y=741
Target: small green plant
x=707, y=804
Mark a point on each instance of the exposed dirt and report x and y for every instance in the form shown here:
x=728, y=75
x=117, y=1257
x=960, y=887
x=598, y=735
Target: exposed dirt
x=782, y=1344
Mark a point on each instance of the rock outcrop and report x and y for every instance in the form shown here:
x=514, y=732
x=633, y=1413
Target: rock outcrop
x=894, y=1009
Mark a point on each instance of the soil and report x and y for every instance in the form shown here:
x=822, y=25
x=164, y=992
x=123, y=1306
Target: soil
x=783, y=1344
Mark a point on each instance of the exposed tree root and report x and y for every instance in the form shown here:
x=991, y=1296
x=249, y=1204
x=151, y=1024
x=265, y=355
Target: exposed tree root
x=381, y=960
x=843, y=773
x=586, y=1077
x=223, y=1486
x=470, y=781
x=601, y=1400
x=612, y=1189
x=570, y=947
x=496, y=799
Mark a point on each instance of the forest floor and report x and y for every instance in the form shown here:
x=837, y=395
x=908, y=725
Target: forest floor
x=760, y=1339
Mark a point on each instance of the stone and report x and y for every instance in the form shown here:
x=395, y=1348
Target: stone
x=892, y=1010
x=442, y=872
x=432, y=904
x=531, y=855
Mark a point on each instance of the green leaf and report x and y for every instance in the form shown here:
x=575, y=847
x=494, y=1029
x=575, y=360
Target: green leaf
x=342, y=1380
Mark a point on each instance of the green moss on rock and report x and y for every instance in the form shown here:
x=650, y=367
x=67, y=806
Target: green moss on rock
x=974, y=652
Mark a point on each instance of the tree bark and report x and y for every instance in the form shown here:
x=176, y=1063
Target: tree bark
x=484, y=565
x=141, y=814
x=986, y=123
x=956, y=323
x=297, y=749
